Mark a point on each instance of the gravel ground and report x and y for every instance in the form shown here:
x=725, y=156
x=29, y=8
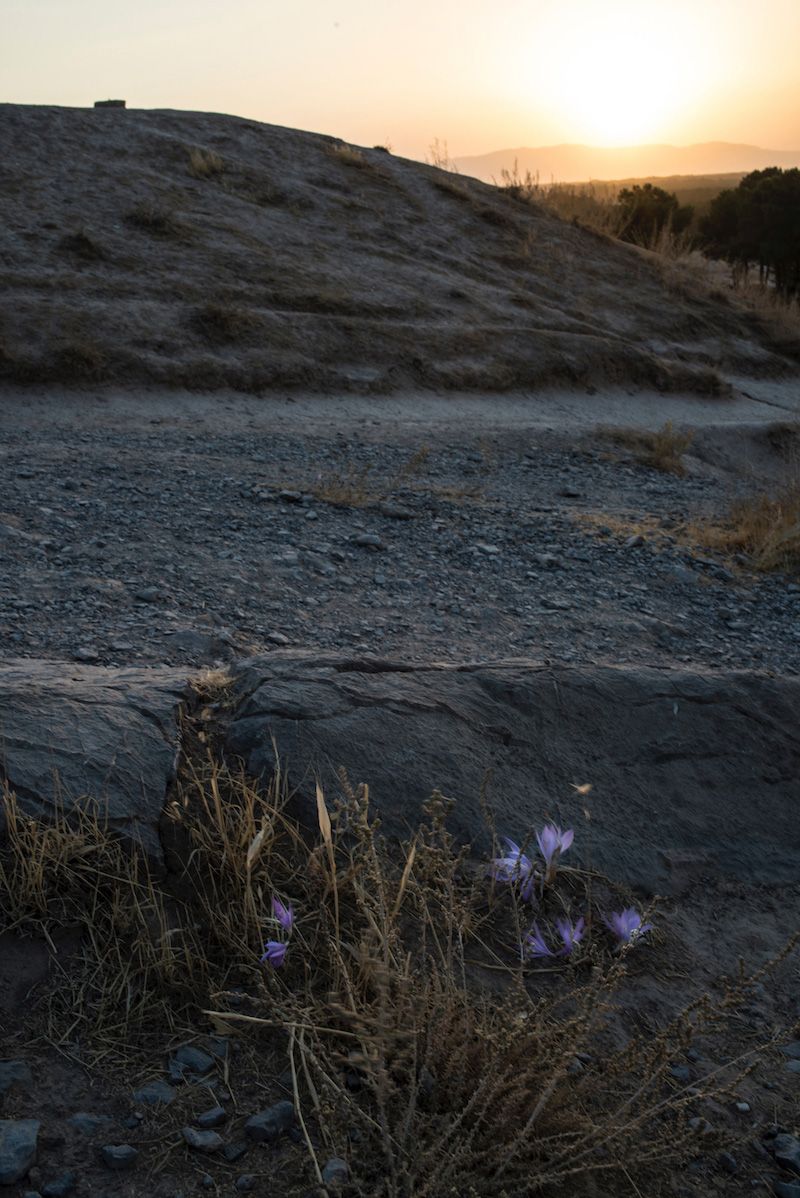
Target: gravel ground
x=157, y=544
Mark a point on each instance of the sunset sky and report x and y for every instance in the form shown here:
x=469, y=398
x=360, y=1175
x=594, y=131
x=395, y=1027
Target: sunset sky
x=481, y=74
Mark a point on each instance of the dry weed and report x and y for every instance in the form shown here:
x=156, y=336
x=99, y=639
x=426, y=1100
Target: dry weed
x=765, y=527
x=349, y=155
x=352, y=486
x=204, y=164
x=663, y=450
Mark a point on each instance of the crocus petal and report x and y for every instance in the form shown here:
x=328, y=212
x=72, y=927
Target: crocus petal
x=534, y=945
x=626, y=925
x=275, y=952
x=285, y=916
x=569, y=935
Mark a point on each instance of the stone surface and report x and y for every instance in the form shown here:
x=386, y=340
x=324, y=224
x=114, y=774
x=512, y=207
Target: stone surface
x=17, y=1148
x=268, y=1124
x=202, y=1141
x=663, y=751
x=13, y=1072
x=119, y=1156
x=110, y=736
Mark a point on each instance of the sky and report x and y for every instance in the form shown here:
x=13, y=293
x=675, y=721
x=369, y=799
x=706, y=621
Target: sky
x=480, y=75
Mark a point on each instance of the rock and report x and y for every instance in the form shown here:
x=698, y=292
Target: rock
x=792, y=1050
x=727, y=1162
x=194, y=1059
x=87, y=1124
x=246, y=1183
x=203, y=1141
x=60, y=1186
x=148, y=595
x=368, y=540
x=118, y=1156
x=786, y=1150
x=232, y=1152
x=155, y=1094
x=786, y=1189
x=681, y=1073
x=212, y=1118
x=17, y=1148
x=112, y=735
x=656, y=785
x=793, y=1067
x=335, y=1173
x=268, y=1124
x=12, y=1073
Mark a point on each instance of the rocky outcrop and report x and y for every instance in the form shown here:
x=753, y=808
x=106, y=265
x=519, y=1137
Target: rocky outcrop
x=692, y=772
x=74, y=735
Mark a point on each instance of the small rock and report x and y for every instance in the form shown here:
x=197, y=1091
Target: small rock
x=61, y=1185
x=268, y=1124
x=634, y=542
x=786, y=1150
x=17, y=1148
x=744, y=1107
x=118, y=1156
x=157, y=1093
x=277, y=638
x=86, y=653
x=148, y=595
x=335, y=1172
x=369, y=540
x=681, y=1073
x=203, y=1141
x=246, y=1183
x=195, y=1059
x=793, y=1067
x=232, y=1152
x=792, y=1050
x=727, y=1162
x=213, y=1118
x=86, y=1123
x=786, y=1189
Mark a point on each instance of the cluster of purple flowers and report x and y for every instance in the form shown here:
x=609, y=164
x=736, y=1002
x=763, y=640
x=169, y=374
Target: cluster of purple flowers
x=275, y=950
x=626, y=925
x=519, y=869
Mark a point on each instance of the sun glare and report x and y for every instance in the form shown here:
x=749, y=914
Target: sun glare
x=618, y=84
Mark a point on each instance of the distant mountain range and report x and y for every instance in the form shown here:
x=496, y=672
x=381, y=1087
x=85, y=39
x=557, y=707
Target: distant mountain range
x=570, y=164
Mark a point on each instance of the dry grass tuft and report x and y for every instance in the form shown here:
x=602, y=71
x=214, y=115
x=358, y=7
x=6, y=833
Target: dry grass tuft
x=159, y=222
x=80, y=245
x=222, y=324
x=662, y=450
x=349, y=155
x=352, y=486
x=204, y=164
x=765, y=527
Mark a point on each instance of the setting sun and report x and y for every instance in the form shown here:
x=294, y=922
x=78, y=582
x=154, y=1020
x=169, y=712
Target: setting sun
x=618, y=84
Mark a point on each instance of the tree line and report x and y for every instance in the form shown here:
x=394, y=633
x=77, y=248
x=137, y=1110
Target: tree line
x=753, y=226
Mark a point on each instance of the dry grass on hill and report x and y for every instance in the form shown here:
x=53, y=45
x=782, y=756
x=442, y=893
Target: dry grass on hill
x=199, y=250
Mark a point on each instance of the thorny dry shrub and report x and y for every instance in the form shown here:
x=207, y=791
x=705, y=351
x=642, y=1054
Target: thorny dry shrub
x=382, y=1003
x=663, y=450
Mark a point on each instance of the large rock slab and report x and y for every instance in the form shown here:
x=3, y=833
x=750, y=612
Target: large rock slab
x=81, y=734
x=692, y=772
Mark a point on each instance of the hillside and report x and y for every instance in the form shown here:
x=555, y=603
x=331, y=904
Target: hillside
x=201, y=251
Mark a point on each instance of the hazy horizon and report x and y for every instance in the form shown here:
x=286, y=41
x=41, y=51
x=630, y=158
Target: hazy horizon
x=481, y=75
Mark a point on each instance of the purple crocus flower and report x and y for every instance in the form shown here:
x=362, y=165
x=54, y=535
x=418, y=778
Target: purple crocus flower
x=553, y=842
x=284, y=915
x=626, y=926
x=275, y=952
x=514, y=868
x=534, y=946
x=569, y=935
